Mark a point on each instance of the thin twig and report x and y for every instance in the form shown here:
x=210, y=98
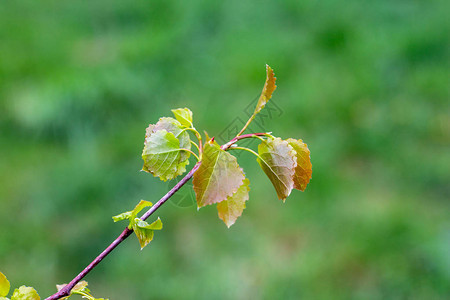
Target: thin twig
x=127, y=232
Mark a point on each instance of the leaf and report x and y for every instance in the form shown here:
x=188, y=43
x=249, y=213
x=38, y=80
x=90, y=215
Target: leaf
x=80, y=286
x=156, y=225
x=218, y=177
x=303, y=170
x=232, y=208
x=4, y=285
x=144, y=231
x=156, y=141
x=172, y=125
x=277, y=159
x=25, y=293
x=162, y=155
x=79, y=289
x=140, y=206
x=122, y=216
x=131, y=215
x=184, y=116
x=267, y=91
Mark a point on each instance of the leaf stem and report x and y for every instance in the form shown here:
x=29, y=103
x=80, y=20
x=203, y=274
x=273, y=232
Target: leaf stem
x=182, y=149
x=248, y=150
x=246, y=124
x=241, y=137
x=196, y=146
x=199, y=138
x=260, y=138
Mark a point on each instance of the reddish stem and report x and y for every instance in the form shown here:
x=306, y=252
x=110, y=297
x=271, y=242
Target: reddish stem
x=244, y=136
x=127, y=232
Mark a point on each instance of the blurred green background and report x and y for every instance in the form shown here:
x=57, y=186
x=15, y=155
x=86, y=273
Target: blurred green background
x=364, y=83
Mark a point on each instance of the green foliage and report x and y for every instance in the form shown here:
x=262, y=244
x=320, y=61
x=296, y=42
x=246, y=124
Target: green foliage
x=365, y=86
x=29, y=293
x=25, y=293
x=21, y=293
x=219, y=179
x=141, y=228
x=165, y=148
x=184, y=116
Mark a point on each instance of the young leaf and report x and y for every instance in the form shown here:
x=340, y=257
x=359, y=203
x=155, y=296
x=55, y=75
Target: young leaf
x=140, y=206
x=79, y=286
x=131, y=215
x=162, y=155
x=4, y=285
x=303, y=170
x=218, y=177
x=277, y=159
x=25, y=293
x=172, y=125
x=184, y=116
x=81, y=289
x=122, y=216
x=266, y=94
x=269, y=87
x=144, y=231
x=166, y=142
x=232, y=208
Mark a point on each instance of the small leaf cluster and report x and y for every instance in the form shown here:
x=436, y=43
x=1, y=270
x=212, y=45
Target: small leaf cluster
x=219, y=179
x=29, y=293
x=79, y=289
x=21, y=293
x=141, y=228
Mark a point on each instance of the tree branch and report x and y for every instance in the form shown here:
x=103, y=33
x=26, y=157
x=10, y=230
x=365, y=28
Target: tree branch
x=127, y=232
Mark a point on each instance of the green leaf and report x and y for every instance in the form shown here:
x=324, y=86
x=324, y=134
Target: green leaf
x=267, y=91
x=172, y=125
x=156, y=225
x=131, y=215
x=144, y=231
x=122, y=216
x=141, y=228
x=4, y=285
x=303, y=170
x=218, y=177
x=184, y=116
x=232, y=208
x=160, y=146
x=277, y=159
x=140, y=206
x=25, y=293
x=162, y=155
